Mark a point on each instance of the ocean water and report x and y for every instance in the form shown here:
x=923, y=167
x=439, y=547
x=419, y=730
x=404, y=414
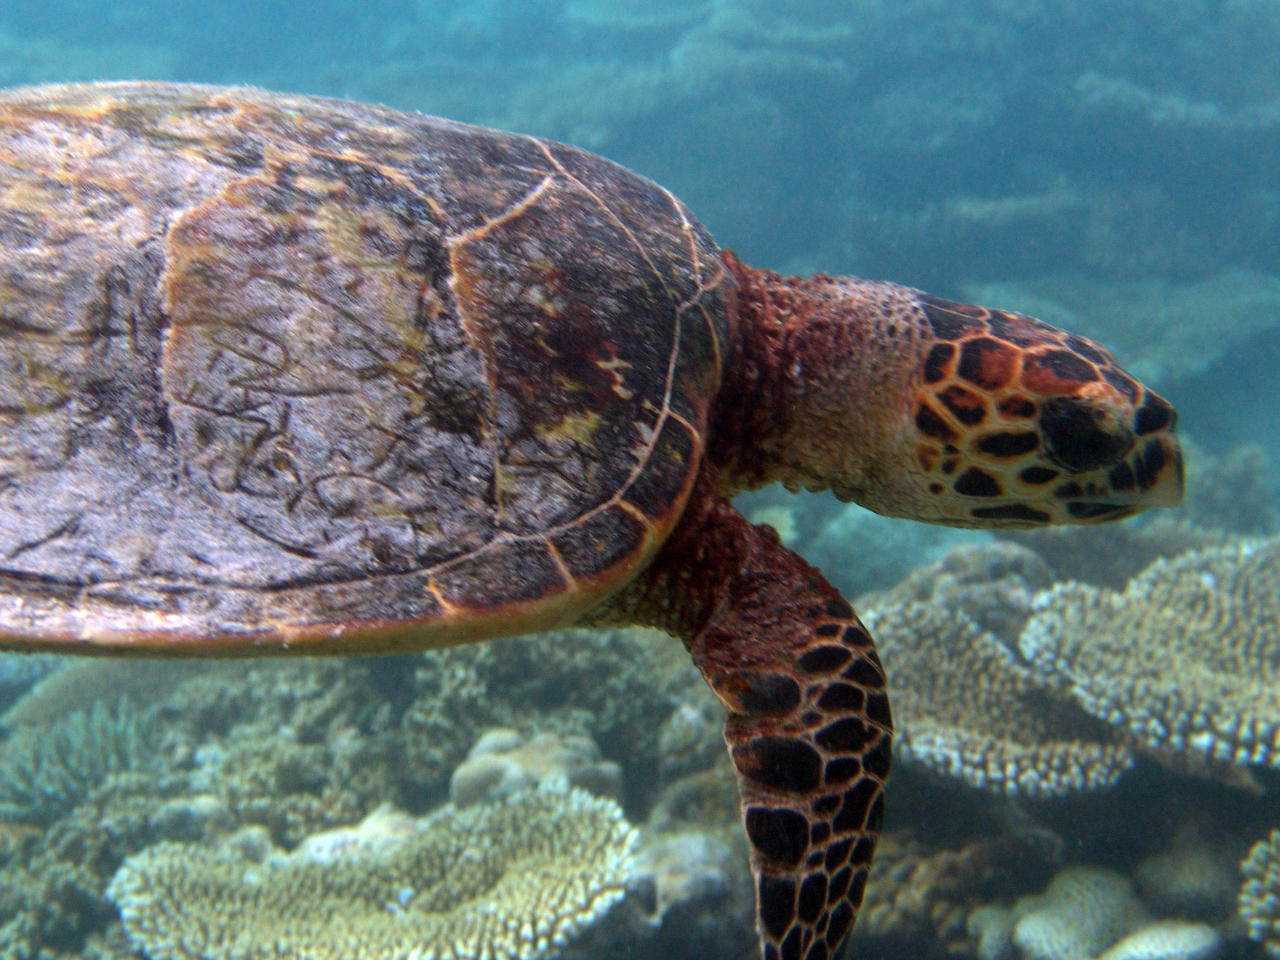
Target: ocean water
x=1088, y=719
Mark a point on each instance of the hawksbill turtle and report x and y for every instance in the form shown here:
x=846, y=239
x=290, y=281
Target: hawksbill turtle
x=283, y=374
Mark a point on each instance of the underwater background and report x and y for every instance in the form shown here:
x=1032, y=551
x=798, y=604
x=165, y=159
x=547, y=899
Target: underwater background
x=1089, y=719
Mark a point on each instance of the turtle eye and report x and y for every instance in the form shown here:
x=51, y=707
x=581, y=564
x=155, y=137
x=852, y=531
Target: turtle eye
x=1081, y=435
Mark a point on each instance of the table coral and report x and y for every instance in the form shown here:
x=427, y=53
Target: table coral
x=964, y=707
x=506, y=881
x=1185, y=659
x=1259, y=902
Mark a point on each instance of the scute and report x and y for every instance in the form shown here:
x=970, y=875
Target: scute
x=283, y=369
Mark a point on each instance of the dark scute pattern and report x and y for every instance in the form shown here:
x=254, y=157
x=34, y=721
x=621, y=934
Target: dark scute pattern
x=818, y=951
x=837, y=854
x=823, y=659
x=1009, y=444
x=1065, y=366
x=1121, y=477
x=841, y=770
x=793, y=944
x=876, y=816
x=1086, y=349
x=878, y=708
x=782, y=763
x=1154, y=414
x=949, y=320
x=819, y=832
x=846, y=735
x=986, y=363
x=935, y=365
x=1017, y=408
x=1153, y=460
x=969, y=408
x=839, y=884
x=879, y=759
x=824, y=806
x=932, y=425
x=1038, y=475
x=857, y=801
x=841, y=920
x=777, y=897
x=1012, y=511
x=977, y=483
x=839, y=609
x=1087, y=510
x=780, y=834
x=862, y=851
x=1125, y=384
x=827, y=630
x=858, y=887
x=864, y=671
x=842, y=698
x=855, y=635
x=764, y=694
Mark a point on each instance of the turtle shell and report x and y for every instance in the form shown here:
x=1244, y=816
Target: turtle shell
x=280, y=370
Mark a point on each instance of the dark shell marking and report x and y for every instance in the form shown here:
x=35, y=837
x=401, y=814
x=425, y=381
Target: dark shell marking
x=812, y=789
x=337, y=366
x=1007, y=405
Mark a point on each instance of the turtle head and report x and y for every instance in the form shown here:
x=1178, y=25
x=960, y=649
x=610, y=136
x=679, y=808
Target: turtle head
x=1008, y=421
x=919, y=407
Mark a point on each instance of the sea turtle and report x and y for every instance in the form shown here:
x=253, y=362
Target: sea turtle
x=289, y=374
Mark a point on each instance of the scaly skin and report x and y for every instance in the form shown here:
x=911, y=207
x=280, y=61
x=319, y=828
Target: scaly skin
x=922, y=408
x=912, y=406
x=808, y=723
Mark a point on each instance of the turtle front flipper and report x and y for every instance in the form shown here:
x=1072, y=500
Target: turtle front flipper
x=808, y=726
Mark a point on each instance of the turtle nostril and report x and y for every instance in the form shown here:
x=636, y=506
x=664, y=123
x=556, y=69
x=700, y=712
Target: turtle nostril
x=1081, y=435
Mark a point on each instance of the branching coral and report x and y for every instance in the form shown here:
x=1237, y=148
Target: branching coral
x=1259, y=901
x=964, y=707
x=513, y=880
x=46, y=770
x=1186, y=659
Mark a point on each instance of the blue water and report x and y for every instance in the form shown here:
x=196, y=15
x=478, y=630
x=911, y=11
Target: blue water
x=1110, y=167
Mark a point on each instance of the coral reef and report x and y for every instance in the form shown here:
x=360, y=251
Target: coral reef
x=605, y=684
x=1185, y=659
x=1193, y=877
x=1259, y=901
x=502, y=763
x=964, y=707
x=512, y=880
x=77, y=684
x=921, y=894
x=1167, y=940
x=47, y=770
x=1083, y=911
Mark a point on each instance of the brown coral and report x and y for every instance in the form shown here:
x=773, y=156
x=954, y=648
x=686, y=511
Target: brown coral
x=1186, y=659
x=965, y=708
x=506, y=881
